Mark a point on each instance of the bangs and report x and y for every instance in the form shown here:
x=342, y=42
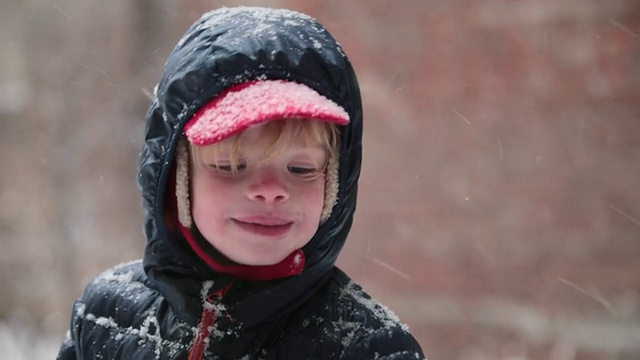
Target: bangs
x=275, y=137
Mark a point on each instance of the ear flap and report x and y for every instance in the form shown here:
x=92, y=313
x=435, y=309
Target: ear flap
x=182, y=183
x=330, y=188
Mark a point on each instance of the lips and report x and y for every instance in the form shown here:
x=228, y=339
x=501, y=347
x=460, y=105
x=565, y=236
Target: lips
x=264, y=225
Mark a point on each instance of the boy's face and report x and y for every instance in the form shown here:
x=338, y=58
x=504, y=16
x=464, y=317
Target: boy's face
x=268, y=208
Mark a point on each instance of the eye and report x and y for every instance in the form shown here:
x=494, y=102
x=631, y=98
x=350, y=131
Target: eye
x=305, y=172
x=229, y=168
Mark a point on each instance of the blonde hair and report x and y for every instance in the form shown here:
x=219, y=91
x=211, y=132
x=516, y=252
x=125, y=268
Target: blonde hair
x=275, y=136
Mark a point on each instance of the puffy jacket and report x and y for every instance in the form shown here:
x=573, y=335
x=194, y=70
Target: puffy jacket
x=172, y=305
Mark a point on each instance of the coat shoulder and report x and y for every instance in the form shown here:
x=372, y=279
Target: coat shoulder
x=122, y=315
x=111, y=291
x=346, y=322
x=370, y=329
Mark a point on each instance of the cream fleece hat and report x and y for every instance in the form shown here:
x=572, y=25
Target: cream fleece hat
x=249, y=104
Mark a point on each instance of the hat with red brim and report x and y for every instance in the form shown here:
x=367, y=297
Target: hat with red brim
x=257, y=102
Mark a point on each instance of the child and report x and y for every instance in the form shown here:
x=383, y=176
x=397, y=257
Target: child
x=249, y=179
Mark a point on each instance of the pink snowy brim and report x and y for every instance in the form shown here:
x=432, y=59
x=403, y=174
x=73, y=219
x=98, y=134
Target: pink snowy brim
x=253, y=103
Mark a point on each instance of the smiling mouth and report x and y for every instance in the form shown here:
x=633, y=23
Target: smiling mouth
x=275, y=229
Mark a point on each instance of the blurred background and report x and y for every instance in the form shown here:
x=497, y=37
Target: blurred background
x=499, y=211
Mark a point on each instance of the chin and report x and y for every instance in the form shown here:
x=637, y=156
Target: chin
x=259, y=260
x=265, y=262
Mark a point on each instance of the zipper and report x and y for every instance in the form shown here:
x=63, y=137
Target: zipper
x=207, y=320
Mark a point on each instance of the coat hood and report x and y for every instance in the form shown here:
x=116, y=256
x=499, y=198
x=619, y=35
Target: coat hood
x=227, y=47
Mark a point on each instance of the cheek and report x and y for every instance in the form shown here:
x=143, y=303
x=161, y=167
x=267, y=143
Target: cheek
x=314, y=196
x=199, y=201
x=205, y=192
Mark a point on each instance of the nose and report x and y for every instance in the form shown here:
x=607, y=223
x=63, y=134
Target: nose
x=268, y=188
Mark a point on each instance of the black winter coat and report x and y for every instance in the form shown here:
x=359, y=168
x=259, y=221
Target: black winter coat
x=152, y=309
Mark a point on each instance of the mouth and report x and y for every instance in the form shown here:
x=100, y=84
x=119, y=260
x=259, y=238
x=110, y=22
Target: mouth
x=264, y=226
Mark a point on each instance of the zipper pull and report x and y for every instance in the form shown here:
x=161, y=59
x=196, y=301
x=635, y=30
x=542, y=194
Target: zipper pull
x=218, y=294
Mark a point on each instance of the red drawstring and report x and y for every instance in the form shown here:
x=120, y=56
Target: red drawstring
x=199, y=346
x=207, y=320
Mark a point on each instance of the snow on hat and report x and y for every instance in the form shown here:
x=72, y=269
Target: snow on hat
x=258, y=102
x=249, y=104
